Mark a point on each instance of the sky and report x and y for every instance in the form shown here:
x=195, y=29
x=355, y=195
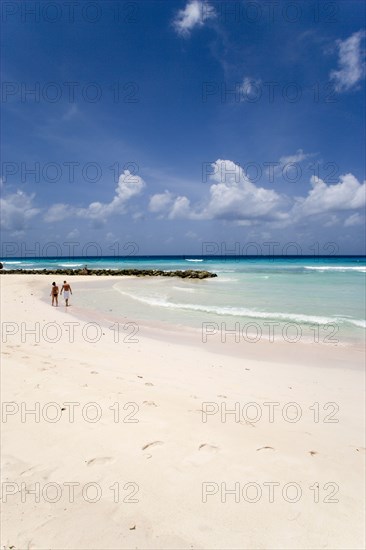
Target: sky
x=183, y=127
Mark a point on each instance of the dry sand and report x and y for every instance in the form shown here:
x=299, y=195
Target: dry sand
x=142, y=466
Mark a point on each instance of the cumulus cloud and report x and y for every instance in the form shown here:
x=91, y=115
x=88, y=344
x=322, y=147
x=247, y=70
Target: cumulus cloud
x=17, y=209
x=160, y=202
x=233, y=197
x=171, y=206
x=181, y=208
x=350, y=61
x=195, y=14
x=128, y=186
x=348, y=194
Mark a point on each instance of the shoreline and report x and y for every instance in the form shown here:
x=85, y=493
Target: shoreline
x=172, y=451
x=192, y=335
x=304, y=352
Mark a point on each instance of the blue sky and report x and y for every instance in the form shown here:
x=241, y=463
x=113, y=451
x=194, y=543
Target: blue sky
x=175, y=124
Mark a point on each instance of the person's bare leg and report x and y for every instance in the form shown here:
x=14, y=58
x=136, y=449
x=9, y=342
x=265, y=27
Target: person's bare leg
x=67, y=302
x=56, y=301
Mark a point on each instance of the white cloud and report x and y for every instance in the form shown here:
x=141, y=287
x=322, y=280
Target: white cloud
x=182, y=209
x=351, y=63
x=17, y=210
x=128, y=186
x=137, y=216
x=299, y=156
x=195, y=14
x=288, y=166
x=333, y=220
x=58, y=212
x=233, y=197
x=160, y=202
x=354, y=219
x=348, y=194
x=251, y=89
x=74, y=234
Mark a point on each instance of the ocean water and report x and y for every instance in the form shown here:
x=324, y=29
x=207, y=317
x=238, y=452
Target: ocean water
x=320, y=299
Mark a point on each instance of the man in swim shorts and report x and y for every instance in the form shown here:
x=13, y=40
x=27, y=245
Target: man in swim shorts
x=54, y=293
x=67, y=291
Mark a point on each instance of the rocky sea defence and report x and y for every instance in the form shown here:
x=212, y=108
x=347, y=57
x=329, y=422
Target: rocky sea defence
x=183, y=274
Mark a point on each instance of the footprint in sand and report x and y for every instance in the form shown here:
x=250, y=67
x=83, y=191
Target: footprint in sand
x=148, y=384
x=99, y=461
x=266, y=447
x=28, y=472
x=312, y=453
x=207, y=447
x=94, y=372
x=152, y=444
x=150, y=403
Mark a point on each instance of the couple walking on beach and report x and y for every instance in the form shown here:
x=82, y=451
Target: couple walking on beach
x=66, y=288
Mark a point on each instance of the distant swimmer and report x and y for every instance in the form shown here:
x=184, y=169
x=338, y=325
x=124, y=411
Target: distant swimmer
x=67, y=291
x=54, y=293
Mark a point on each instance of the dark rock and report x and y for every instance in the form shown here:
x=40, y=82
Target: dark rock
x=186, y=274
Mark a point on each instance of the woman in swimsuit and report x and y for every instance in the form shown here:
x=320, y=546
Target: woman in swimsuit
x=54, y=294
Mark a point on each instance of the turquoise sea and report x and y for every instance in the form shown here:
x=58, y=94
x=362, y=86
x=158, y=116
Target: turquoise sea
x=321, y=298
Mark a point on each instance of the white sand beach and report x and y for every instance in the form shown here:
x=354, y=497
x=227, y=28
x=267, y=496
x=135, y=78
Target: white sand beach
x=130, y=446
